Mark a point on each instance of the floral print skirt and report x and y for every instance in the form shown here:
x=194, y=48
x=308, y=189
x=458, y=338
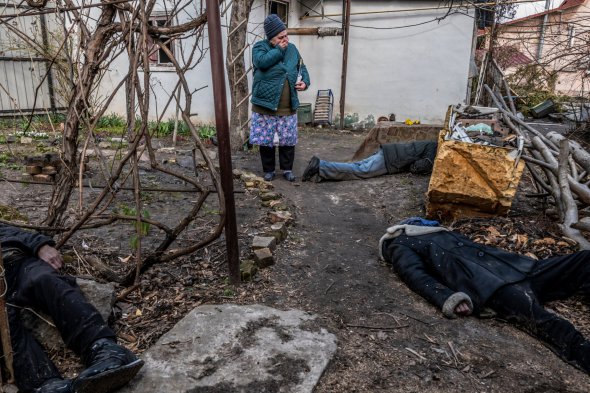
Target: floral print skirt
x=263, y=128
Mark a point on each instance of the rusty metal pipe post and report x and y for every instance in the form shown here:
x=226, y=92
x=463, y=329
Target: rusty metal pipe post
x=223, y=138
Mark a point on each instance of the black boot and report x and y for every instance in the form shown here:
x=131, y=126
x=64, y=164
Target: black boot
x=110, y=366
x=55, y=385
x=313, y=168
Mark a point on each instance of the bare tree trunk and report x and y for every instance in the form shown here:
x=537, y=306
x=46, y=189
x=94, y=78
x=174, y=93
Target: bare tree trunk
x=236, y=70
x=77, y=109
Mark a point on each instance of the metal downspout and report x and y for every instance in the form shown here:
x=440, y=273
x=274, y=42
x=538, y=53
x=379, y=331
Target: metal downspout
x=542, y=35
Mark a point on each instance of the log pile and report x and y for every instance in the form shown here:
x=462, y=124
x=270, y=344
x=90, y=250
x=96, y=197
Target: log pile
x=559, y=168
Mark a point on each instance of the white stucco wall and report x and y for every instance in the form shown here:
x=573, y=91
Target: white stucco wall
x=164, y=79
x=414, y=72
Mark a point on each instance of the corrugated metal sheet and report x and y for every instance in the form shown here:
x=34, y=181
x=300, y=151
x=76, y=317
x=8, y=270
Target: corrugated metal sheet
x=25, y=83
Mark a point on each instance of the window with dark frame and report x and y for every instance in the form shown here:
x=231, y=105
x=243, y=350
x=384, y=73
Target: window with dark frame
x=157, y=55
x=280, y=8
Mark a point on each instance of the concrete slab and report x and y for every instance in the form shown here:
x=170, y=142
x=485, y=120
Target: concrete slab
x=231, y=348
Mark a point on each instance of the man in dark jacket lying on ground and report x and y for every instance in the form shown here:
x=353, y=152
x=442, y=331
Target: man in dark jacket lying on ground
x=31, y=263
x=462, y=277
x=416, y=157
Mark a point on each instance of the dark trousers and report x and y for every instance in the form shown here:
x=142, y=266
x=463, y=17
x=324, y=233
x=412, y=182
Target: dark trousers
x=286, y=158
x=33, y=283
x=552, y=279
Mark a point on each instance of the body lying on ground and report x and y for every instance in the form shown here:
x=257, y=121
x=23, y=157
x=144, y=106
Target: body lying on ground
x=462, y=277
x=415, y=157
x=31, y=270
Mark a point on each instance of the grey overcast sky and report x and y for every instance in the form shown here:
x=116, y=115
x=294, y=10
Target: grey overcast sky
x=533, y=8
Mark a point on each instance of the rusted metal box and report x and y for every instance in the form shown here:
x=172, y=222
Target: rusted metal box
x=470, y=179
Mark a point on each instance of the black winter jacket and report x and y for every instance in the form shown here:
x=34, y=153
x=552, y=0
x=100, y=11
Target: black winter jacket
x=400, y=156
x=439, y=264
x=29, y=242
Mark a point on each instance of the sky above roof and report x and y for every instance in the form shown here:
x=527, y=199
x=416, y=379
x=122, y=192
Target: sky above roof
x=533, y=8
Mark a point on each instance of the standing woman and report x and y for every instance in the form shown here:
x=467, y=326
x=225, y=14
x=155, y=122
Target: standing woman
x=279, y=73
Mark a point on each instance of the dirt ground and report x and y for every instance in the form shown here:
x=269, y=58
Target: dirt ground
x=389, y=339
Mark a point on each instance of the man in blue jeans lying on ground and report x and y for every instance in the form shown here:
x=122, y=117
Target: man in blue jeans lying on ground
x=416, y=157
x=31, y=266
x=462, y=278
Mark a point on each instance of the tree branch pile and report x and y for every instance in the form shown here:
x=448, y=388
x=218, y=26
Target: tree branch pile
x=86, y=46
x=559, y=168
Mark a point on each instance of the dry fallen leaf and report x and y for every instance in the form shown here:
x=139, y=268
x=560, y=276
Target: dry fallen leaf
x=126, y=259
x=547, y=241
x=493, y=231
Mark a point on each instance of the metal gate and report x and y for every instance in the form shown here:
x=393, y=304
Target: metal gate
x=26, y=80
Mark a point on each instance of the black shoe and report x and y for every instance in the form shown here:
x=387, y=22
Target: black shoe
x=110, y=366
x=289, y=176
x=313, y=168
x=268, y=176
x=55, y=385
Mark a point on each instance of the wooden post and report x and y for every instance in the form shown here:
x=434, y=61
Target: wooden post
x=4, y=329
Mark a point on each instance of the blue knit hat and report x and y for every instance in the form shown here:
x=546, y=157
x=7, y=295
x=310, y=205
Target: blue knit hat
x=273, y=25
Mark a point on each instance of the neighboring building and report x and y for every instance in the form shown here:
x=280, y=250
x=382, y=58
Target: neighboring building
x=26, y=85
x=557, y=39
x=407, y=58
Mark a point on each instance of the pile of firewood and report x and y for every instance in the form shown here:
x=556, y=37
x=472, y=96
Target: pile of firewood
x=559, y=168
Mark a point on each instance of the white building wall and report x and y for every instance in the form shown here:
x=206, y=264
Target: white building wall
x=164, y=79
x=414, y=72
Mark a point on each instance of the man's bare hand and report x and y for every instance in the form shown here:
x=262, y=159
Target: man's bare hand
x=51, y=256
x=463, y=309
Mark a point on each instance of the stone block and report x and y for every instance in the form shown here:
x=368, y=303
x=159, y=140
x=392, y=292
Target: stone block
x=237, y=173
x=278, y=231
x=43, y=178
x=279, y=216
x=33, y=169
x=279, y=206
x=269, y=196
x=235, y=348
x=52, y=159
x=264, y=242
x=248, y=270
x=49, y=170
x=263, y=258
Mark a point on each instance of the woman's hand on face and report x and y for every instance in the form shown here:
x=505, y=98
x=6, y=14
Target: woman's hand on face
x=281, y=40
x=300, y=86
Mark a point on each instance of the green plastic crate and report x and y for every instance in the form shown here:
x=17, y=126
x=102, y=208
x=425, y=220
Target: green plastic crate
x=304, y=115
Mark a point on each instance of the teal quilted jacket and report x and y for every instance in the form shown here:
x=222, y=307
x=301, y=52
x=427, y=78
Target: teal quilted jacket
x=271, y=66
